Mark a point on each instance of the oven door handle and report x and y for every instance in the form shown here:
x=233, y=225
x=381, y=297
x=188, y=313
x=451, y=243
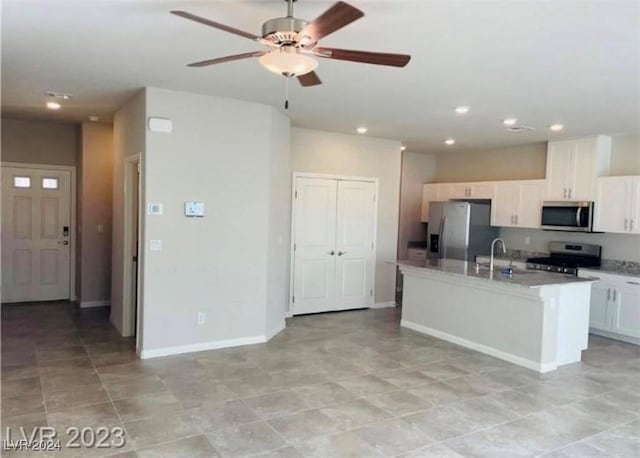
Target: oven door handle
x=578, y=215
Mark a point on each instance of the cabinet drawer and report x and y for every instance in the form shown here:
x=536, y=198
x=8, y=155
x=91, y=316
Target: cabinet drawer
x=417, y=254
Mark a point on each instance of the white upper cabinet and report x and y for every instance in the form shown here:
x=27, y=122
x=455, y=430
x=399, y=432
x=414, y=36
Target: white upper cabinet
x=429, y=194
x=574, y=165
x=504, y=205
x=517, y=204
x=617, y=205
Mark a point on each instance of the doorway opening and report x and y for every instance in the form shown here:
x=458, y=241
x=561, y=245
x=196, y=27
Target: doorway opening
x=132, y=209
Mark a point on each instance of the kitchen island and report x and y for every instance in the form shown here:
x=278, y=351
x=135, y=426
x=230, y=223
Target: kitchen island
x=535, y=319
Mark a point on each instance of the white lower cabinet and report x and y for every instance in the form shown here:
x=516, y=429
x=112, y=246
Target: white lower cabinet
x=615, y=306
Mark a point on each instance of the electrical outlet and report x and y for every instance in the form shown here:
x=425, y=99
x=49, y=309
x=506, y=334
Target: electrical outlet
x=202, y=318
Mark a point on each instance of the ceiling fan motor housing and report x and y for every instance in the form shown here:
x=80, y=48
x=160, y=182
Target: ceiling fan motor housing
x=283, y=31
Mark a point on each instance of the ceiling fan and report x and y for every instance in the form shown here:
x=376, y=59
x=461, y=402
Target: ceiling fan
x=293, y=43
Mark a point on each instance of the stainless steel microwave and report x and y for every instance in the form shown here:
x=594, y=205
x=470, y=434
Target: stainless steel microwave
x=567, y=216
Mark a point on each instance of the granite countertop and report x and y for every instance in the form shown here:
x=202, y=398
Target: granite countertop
x=631, y=269
x=523, y=278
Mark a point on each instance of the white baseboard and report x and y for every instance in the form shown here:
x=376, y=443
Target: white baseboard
x=215, y=345
x=382, y=305
x=614, y=336
x=276, y=330
x=529, y=364
x=89, y=304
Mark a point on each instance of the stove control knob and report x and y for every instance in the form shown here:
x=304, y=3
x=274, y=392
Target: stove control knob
x=549, y=268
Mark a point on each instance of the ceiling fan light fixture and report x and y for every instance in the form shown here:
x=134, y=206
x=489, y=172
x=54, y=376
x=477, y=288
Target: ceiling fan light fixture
x=288, y=61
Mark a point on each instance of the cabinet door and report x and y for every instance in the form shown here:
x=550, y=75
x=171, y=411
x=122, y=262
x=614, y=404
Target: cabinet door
x=613, y=197
x=445, y=192
x=504, y=204
x=582, y=172
x=429, y=194
x=634, y=206
x=559, y=161
x=600, y=295
x=529, y=212
x=626, y=311
x=458, y=191
x=482, y=190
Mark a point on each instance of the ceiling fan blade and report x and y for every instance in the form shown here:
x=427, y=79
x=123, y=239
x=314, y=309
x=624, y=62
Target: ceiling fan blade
x=216, y=25
x=377, y=58
x=335, y=18
x=309, y=79
x=220, y=60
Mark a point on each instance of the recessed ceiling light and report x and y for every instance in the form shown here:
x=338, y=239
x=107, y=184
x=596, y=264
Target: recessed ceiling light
x=403, y=148
x=462, y=110
x=556, y=127
x=53, y=105
x=510, y=121
x=93, y=118
x=449, y=141
x=362, y=130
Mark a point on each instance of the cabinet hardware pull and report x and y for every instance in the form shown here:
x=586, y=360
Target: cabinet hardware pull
x=570, y=190
x=332, y=252
x=631, y=224
x=626, y=223
x=608, y=293
x=565, y=193
x=633, y=283
x=340, y=253
x=614, y=295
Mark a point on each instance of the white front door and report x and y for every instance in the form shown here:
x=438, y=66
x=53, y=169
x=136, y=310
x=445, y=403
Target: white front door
x=354, y=244
x=334, y=250
x=314, y=244
x=36, y=225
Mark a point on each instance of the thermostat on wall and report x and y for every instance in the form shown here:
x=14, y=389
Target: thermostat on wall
x=194, y=209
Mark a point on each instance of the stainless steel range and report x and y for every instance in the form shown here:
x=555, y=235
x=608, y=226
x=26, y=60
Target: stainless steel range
x=567, y=257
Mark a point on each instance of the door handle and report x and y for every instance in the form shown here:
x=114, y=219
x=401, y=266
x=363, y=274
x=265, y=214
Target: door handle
x=63, y=242
x=340, y=253
x=332, y=252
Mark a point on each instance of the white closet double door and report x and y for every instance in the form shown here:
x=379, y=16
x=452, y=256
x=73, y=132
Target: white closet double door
x=334, y=244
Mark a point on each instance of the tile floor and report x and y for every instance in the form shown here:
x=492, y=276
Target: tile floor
x=349, y=384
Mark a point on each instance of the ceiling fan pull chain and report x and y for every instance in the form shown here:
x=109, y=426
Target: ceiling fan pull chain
x=286, y=93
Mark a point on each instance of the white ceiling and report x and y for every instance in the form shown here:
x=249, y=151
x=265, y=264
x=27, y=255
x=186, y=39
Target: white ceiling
x=574, y=62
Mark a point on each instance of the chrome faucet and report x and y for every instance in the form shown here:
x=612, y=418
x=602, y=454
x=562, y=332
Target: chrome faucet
x=493, y=244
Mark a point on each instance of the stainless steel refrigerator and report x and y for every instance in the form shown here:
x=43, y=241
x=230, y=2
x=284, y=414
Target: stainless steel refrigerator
x=460, y=230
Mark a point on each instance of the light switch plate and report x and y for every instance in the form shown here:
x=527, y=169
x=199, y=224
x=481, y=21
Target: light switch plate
x=194, y=209
x=155, y=245
x=154, y=208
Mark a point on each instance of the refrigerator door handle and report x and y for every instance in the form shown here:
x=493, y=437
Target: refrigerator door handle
x=443, y=222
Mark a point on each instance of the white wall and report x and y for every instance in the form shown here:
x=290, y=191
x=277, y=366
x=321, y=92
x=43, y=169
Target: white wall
x=95, y=188
x=279, y=233
x=417, y=169
x=128, y=140
x=316, y=151
x=224, y=153
x=39, y=142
